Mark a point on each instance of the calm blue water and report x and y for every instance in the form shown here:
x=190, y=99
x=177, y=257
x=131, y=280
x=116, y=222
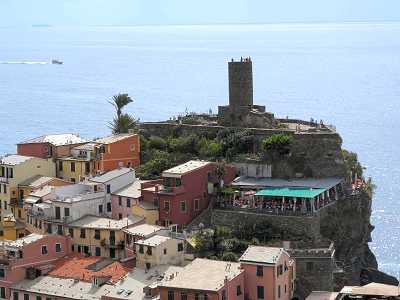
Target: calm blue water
x=345, y=74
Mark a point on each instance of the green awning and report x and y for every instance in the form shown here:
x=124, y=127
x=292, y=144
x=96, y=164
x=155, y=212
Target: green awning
x=298, y=192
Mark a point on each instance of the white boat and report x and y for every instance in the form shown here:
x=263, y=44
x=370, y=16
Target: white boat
x=56, y=62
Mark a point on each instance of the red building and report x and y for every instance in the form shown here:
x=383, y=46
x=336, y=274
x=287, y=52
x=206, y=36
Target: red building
x=186, y=191
x=121, y=150
x=46, y=146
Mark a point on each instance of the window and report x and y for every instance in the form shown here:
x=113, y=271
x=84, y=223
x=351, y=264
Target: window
x=128, y=202
x=60, y=166
x=3, y=292
x=71, y=232
x=58, y=247
x=60, y=230
x=1, y=232
x=238, y=290
x=183, y=206
x=86, y=249
x=87, y=167
x=26, y=296
x=184, y=296
x=98, y=251
x=108, y=206
x=97, y=234
x=2, y=273
x=178, y=182
x=260, y=292
x=260, y=271
x=170, y=295
x=66, y=211
x=44, y=249
x=166, y=205
x=309, y=266
x=10, y=172
x=119, y=216
x=19, y=214
x=15, y=295
x=180, y=247
x=196, y=204
x=112, y=252
x=73, y=180
x=49, y=229
x=223, y=296
x=141, y=249
x=108, y=189
x=149, y=251
x=38, y=298
x=285, y=289
x=72, y=166
x=165, y=251
x=100, y=209
x=167, y=182
x=83, y=233
x=279, y=291
x=280, y=270
x=120, y=201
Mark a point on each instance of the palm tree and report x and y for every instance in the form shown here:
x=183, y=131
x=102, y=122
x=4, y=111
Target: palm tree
x=119, y=102
x=122, y=124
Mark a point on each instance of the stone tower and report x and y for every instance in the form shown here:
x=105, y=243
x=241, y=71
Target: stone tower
x=240, y=83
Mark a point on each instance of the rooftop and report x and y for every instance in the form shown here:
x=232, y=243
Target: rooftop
x=186, y=168
x=260, y=254
x=39, y=181
x=299, y=192
x=322, y=296
x=324, y=183
x=131, y=286
x=372, y=289
x=88, y=146
x=65, y=288
x=18, y=243
x=132, y=190
x=110, y=175
x=153, y=241
x=204, y=275
x=56, y=139
x=84, y=268
x=114, y=138
x=42, y=191
x=142, y=230
x=90, y=221
x=14, y=159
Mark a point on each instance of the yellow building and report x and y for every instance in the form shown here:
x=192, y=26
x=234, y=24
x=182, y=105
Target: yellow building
x=15, y=169
x=79, y=165
x=11, y=229
x=100, y=236
x=159, y=249
x=146, y=210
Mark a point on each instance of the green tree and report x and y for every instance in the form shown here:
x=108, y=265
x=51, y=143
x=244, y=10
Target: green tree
x=122, y=122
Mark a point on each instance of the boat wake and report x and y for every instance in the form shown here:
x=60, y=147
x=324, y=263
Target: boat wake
x=23, y=63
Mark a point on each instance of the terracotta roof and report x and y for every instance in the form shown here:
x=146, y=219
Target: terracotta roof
x=76, y=266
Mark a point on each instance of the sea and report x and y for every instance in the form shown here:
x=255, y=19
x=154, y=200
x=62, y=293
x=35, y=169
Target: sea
x=345, y=74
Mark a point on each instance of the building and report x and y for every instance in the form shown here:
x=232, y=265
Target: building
x=186, y=191
x=121, y=150
x=49, y=146
x=30, y=186
x=124, y=199
x=80, y=164
x=29, y=257
x=100, y=236
x=11, y=229
x=148, y=204
x=59, y=206
x=136, y=233
x=73, y=277
x=268, y=273
x=205, y=279
x=14, y=170
x=112, y=182
x=161, y=248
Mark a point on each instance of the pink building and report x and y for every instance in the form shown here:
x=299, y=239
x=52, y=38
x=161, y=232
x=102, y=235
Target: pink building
x=205, y=279
x=186, y=191
x=29, y=257
x=135, y=233
x=123, y=200
x=267, y=273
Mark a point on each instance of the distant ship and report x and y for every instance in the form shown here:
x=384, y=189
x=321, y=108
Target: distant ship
x=56, y=62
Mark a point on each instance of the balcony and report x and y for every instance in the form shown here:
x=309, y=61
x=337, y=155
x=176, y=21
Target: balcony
x=3, y=180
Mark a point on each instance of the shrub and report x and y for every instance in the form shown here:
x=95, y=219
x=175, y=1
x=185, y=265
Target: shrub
x=278, y=143
x=156, y=142
x=229, y=256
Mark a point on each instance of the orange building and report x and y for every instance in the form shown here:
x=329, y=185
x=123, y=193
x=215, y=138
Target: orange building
x=122, y=150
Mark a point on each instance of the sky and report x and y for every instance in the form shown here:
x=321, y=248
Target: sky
x=153, y=12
